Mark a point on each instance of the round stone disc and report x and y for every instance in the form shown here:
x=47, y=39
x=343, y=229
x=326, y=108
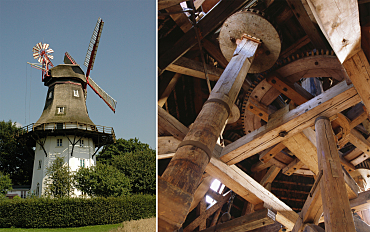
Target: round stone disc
x=247, y=22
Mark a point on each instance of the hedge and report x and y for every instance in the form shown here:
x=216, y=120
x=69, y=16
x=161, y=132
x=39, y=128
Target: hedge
x=74, y=212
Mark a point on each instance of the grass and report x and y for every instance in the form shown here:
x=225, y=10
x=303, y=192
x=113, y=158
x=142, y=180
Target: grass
x=147, y=225
x=98, y=228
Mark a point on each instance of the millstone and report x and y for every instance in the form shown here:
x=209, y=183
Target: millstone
x=247, y=22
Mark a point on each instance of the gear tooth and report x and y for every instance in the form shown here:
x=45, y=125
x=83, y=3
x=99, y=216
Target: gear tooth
x=288, y=59
x=327, y=52
x=332, y=52
x=293, y=58
x=322, y=51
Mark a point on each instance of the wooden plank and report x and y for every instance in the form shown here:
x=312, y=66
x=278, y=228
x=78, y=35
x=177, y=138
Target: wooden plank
x=337, y=211
x=215, y=52
x=195, y=69
x=331, y=102
x=308, y=26
x=201, y=210
x=208, y=23
x=304, y=150
x=171, y=124
x=270, y=153
x=285, y=89
x=248, y=222
x=339, y=21
x=208, y=213
x=250, y=190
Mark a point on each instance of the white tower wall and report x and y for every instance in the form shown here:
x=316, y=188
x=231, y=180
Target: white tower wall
x=82, y=156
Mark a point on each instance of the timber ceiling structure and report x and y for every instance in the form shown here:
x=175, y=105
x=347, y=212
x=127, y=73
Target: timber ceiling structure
x=308, y=74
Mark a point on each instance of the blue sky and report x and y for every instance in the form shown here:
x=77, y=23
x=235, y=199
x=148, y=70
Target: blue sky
x=125, y=65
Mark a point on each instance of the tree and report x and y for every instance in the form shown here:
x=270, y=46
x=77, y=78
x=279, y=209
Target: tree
x=102, y=180
x=59, y=182
x=135, y=160
x=5, y=183
x=16, y=159
x=120, y=147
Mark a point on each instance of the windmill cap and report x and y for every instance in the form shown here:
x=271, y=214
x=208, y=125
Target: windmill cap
x=66, y=71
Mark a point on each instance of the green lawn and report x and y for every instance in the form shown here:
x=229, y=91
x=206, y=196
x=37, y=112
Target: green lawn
x=99, y=228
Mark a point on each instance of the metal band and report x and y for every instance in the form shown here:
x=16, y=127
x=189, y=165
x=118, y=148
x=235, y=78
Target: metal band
x=222, y=102
x=196, y=144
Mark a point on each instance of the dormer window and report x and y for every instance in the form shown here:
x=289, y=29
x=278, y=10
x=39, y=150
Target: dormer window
x=75, y=93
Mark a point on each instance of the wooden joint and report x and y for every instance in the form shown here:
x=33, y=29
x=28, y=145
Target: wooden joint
x=198, y=145
x=251, y=38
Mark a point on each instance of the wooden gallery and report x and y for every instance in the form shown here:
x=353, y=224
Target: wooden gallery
x=263, y=115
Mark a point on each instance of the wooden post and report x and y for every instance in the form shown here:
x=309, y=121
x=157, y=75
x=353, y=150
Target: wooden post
x=337, y=211
x=181, y=178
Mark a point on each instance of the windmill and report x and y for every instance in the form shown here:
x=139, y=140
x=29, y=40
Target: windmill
x=64, y=128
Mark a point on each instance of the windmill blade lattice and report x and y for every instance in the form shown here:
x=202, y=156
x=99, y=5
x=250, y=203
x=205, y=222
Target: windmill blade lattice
x=106, y=98
x=93, y=46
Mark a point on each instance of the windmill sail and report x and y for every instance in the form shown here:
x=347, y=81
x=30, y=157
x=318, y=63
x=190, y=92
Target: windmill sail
x=93, y=46
x=106, y=98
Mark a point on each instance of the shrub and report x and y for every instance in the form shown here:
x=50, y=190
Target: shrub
x=74, y=212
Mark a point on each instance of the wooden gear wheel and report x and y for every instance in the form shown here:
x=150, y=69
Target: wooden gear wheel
x=290, y=71
x=252, y=23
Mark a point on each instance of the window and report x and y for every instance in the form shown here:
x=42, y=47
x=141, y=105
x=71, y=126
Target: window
x=82, y=163
x=59, y=126
x=81, y=143
x=38, y=189
x=40, y=162
x=50, y=95
x=75, y=93
x=59, y=142
x=60, y=110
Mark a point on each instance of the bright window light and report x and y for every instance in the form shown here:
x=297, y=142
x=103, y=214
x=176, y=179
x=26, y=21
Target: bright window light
x=216, y=186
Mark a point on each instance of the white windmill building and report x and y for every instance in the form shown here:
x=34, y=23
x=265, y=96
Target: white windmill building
x=64, y=128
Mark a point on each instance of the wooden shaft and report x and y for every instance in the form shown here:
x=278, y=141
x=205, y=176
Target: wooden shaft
x=186, y=168
x=337, y=211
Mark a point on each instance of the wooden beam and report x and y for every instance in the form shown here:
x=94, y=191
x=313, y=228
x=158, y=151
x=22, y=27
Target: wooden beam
x=357, y=139
x=258, y=109
x=337, y=211
x=202, y=189
x=331, y=102
x=171, y=124
x=362, y=202
x=295, y=165
x=208, y=213
x=167, y=144
x=163, y=4
x=270, y=176
x=358, y=70
x=285, y=89
x=270, y=153
x=208, y=23
x=195, y=69
x=250, y=190
x=303, y=18
x=248, y=222
x=296, y=46
x=180, y=18
x=215, y=52
x=170, y=87
x=304, y=150
x=339, y=21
